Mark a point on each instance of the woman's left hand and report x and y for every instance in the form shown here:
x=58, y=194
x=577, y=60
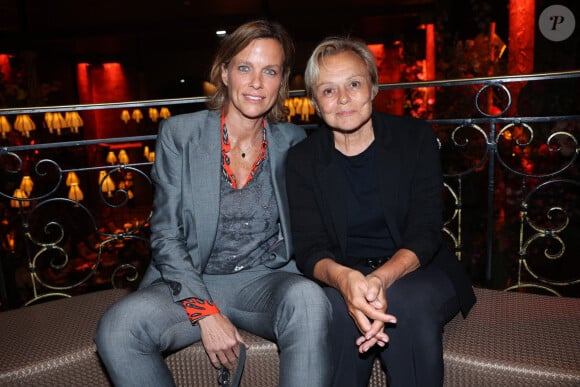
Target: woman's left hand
x=400, y=264
x=376, y=297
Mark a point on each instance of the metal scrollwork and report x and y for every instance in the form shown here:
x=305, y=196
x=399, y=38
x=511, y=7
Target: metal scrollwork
x=66, y=243
x=455, y=216
x=549, y=228
x=463, y=142
x=126, y=272
x=488, y=88
x=70, y=246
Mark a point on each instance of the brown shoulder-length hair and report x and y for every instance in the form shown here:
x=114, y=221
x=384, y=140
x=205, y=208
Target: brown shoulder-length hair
x=236, y=42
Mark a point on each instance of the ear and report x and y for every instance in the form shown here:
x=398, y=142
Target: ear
x=224, y=74
x=375, y=91
x=315, y=105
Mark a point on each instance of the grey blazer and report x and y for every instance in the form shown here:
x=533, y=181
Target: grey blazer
x=186, y=176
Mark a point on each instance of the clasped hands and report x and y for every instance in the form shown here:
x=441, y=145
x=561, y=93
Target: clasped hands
x=366, y=302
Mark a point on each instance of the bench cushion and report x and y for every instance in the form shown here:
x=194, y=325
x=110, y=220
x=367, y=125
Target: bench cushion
x=508, y=339
x=514, y=339
x=51, y=344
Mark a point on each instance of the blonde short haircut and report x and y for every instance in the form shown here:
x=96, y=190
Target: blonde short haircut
x=335, y=45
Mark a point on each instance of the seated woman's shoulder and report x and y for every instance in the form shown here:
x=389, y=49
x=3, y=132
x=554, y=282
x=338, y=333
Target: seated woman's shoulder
x=290, y=130
x=185, y=119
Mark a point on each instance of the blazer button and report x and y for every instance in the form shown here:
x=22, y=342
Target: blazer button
x=272, y=256
x=175, y=287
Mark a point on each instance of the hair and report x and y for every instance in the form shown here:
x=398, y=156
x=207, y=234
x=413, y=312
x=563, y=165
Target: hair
x=336, y=45
x=239, y=40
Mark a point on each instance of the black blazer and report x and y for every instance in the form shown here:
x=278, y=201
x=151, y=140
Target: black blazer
x=410, y=183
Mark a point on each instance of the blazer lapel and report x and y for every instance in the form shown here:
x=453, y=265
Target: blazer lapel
x=276, y=157
x=332, y=183
x=330, y=178
x=205, y=165
x=387, y=158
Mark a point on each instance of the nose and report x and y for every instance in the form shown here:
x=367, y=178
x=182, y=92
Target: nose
x=256, y=81
x=343, y=97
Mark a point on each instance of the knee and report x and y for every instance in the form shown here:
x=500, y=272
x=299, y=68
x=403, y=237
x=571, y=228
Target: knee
x=109, y=330
x=305, y=301
x=420, y=301
x=418, y=311
x=418, y=323
x=117, y=328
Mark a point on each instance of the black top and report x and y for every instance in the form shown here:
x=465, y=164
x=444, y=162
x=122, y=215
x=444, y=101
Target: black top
x=410, y=185
x=368, y=235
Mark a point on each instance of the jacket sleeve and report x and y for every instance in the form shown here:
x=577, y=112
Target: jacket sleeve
x=309, y=233
x=178, y=263
x=422, y=223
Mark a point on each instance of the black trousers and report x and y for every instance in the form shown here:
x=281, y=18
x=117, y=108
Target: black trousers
x=423, y=302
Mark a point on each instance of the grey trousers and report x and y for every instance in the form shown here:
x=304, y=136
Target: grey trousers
x=135, y=333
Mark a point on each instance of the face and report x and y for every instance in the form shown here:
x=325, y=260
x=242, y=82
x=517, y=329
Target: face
x=343, y=92
x=253, y=78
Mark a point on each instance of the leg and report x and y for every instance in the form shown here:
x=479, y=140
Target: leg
x=287, y=308
x=423, y=302
x=351, y=369
x=133, y=334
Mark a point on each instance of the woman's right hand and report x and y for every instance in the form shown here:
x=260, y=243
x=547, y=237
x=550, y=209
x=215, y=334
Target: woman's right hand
x=365, y=300
x=366, y=304
x=220, y=339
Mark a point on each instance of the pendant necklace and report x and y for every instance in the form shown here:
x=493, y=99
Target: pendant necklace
x=243, y=151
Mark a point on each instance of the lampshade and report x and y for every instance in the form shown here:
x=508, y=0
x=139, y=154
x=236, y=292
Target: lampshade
x=153, y=114
x=151, y=156
x=5, y=126
x=58, y=123
x=73, y=121
x=108, y=186
x=125, y=116
x=209, y=88
x=146, y=152
x=19, y=194
x=48, y=121
x=24, y=124
x=72, y=178
x=137, y=115
x=26, y=185
x=123, y=157
x=75, y=193
x=111, y=158
x=164, y=113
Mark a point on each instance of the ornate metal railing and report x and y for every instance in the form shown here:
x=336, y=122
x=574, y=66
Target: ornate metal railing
x=512, y=186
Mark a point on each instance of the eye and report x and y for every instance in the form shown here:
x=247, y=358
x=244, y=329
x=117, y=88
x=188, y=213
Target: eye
x=355, y=84
x=243, y=68
x=272, y=72
x=328, y=92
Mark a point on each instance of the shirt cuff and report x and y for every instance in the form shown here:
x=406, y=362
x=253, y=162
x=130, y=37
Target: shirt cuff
x=197, y=309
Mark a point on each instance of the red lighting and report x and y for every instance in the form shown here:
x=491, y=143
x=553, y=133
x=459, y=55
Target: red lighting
x=5, y=67
x=102, y=83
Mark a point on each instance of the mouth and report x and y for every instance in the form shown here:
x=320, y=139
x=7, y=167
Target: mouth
x=254, y=98
x=345, y=113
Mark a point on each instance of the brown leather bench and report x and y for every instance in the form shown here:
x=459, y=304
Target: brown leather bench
x=508, y=339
